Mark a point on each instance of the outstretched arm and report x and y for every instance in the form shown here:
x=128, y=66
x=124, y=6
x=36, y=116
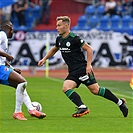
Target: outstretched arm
x=48, y=55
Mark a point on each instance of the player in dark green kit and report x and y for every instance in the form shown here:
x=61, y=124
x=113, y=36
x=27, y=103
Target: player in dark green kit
x=80, y=70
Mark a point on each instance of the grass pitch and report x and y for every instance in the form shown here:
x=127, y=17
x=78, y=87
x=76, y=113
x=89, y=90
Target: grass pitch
x=105, y=116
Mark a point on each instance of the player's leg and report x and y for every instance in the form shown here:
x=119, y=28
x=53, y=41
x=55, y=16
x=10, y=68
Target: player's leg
x=68, y=87
x=5, y=76
x=90, y=81
x=106, y=93
x=19, y=81
x=32, y=111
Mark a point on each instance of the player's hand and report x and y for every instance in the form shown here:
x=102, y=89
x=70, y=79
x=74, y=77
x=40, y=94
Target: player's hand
x=17, y=70
x=89, y=69
x=9, y=58
x=41, y=62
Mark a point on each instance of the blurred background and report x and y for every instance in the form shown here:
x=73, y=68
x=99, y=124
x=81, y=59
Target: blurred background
x=107, y=25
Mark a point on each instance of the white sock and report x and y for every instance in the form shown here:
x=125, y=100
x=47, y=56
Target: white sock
x=27, y=101
x=82, y=106
x=19, y=97
x=119, y=102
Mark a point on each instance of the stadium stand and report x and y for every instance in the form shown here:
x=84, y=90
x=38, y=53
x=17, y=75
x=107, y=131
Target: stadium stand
x=104, y=22
x=92, y=15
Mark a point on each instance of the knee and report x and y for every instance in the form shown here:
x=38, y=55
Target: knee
x=95, y=90
x=64, y=89
x=23, y=85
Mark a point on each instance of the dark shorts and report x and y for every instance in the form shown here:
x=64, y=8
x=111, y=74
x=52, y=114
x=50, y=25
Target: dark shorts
x=82, y=77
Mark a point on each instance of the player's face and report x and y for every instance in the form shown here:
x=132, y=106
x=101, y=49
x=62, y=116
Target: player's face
x=11, y=31
x=61, y=27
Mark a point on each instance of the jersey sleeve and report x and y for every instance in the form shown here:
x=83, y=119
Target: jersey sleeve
x=57, y=42
x=3, y=36
x=3, y=42
x=80, y=42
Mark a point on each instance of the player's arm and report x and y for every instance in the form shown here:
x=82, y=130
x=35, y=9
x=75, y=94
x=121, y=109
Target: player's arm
x=4, y=41
x=8, y=57
x=15, y=69
x=7, y=63
x=48, y=55
x=89, y=51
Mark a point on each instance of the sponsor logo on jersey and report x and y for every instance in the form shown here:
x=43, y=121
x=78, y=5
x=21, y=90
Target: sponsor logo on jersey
x=64, y=49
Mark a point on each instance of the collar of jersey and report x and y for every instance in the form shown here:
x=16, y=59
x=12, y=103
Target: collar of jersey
x=67, y=35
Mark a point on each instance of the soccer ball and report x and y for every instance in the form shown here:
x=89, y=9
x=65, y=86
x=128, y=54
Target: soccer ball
x=37, y=105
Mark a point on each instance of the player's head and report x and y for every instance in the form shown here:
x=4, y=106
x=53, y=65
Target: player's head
x=7, y=26
x=63, y=24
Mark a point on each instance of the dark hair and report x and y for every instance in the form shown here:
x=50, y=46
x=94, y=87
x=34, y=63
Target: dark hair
x=4, y=24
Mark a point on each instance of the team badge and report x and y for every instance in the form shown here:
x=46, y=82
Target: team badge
x=6, y=69
x=68, y=44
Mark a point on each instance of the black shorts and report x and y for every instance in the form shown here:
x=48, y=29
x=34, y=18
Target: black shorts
x=86, y=79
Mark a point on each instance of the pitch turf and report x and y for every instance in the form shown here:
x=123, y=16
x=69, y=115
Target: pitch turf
x=105, y=116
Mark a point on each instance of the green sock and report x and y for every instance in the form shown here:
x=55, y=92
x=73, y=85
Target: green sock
x=74, y=97
x=106, y=93
x=101, y=91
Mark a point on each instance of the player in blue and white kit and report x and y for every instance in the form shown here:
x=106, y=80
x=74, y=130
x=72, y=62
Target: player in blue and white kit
x=12, y=77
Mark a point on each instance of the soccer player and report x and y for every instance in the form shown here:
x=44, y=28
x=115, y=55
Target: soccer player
x=12, y=77
x=80, y=70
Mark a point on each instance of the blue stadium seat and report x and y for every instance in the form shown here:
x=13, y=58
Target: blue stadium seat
x=115, y=22
x=36, y=12
x=127, y=25
x=82, y=21
x=30, y=20
x=29, y=10
x=82, y=24
x=93, y=21
x=104, y=23
x=100, y=10
x=126, y=21
x=89, y=10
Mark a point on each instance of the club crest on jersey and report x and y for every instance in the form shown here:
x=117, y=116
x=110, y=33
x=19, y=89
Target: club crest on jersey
x=68, y=44
x=6, y=68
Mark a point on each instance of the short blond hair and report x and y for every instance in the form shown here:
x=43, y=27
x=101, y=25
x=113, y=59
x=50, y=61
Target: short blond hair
x=64, y=19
